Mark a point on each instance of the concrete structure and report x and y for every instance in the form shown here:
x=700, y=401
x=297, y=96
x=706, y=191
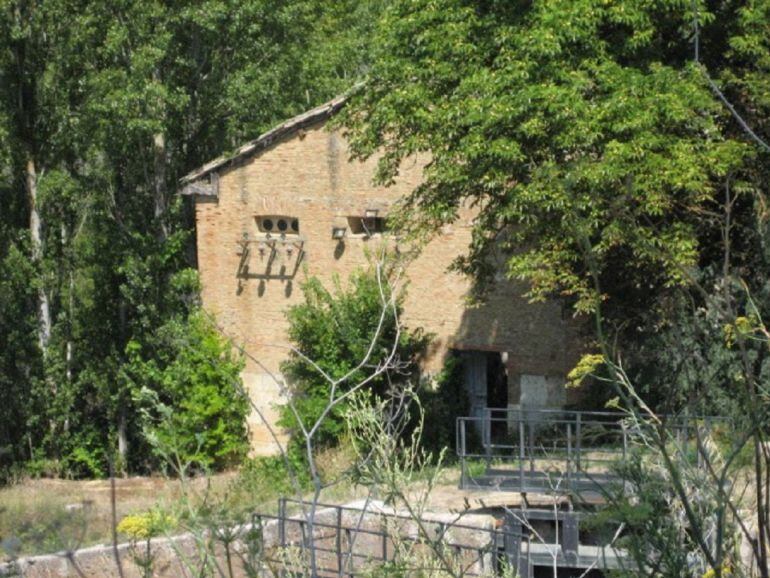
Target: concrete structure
x=350, y=540
x=291, y=204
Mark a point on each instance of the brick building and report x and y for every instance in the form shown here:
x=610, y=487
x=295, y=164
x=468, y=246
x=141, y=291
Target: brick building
x=291, y=204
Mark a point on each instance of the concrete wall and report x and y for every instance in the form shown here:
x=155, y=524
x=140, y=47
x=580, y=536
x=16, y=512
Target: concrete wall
x=185, y=554
x=308, y=176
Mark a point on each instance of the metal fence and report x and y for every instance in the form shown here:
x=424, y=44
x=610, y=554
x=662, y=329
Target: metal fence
x=356, y=541
x=351, y=541
x=557, y=451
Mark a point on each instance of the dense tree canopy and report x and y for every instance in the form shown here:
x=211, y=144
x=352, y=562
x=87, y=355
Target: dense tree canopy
x=587, y=132
x=103, y=106
x=603, y=142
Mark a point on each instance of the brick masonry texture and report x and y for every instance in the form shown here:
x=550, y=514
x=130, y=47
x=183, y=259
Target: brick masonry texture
x=308, y=176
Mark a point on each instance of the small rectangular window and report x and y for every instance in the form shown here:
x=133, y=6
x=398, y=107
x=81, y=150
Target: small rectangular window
x=367, y=226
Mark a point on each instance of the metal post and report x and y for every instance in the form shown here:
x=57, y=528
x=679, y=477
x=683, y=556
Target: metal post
x=521, y=454
x=531, y=428
x=350, y=551
x=569, y=456
x=625, y=440
x=384, y=543
x=578, y=435
x=339, y=540
x=570, y=537
x=529, y=570
x=698, y=446
x=306, y=545
x=686, y=432
x=282, y=521
x=512, y=538
x=463, y=472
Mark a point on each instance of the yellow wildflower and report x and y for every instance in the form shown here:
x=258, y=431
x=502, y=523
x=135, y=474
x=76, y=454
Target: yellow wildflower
x=146, y=525
x=587, y=365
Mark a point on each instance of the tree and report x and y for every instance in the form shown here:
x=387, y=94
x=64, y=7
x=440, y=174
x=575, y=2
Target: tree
x=340, y=335
x=586, y=133
x=187, y=388
x=102, y=108
x=616, y=153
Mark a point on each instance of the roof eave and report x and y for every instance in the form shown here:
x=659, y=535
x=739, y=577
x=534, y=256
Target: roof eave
x=189, y=184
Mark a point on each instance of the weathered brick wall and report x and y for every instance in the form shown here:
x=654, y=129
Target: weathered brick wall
x=308, y=176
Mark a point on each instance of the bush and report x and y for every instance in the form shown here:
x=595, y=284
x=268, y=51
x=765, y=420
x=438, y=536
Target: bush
x=193, y=405
x=335, y=328
x=268, y=476
x=146, y=525
x=443, y=400
x=85, y=461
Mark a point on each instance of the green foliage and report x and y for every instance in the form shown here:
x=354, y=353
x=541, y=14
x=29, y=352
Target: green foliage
x=656, y=533
x=83, y=455
x=270, y=476
x=582, y=131
x=347, y=332
x=189, y=389
x=112, y=104
x=58, y=530
x=704, y=366
x=18, y=356
x=443, y=400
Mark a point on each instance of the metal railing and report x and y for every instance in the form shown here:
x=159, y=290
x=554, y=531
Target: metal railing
x=556, y=451
x=353, y=541
x=349, y=541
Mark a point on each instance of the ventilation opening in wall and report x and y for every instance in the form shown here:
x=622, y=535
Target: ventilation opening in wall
x=277, y=224
x=367, y=226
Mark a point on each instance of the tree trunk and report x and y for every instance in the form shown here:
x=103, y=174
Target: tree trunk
x=122, y=442
x=159, y=173
x=36, y=238
x=159, y=148
x=122, y=425
x=69, y=346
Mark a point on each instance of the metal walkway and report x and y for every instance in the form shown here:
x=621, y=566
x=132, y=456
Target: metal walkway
x=555, y=451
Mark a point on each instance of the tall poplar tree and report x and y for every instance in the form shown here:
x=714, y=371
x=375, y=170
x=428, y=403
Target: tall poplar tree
x=103, y=106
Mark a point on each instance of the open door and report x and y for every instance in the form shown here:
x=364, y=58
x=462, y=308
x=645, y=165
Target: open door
x=486, y=382
x=475, y=377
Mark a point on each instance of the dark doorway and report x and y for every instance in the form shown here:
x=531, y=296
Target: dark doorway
x=497, y=380
x=486, y=382
x=497, y=392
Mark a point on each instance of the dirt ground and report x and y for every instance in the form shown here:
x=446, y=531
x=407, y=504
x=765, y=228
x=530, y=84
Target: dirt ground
x=50, y=515
x=43, y=516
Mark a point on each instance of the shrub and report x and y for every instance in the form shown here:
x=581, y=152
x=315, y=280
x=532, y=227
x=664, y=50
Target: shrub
x=193, y=405
x=267, y=477
x=443, y=400
x=336, y=328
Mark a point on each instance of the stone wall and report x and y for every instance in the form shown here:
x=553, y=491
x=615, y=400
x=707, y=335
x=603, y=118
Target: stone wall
x=362, y=525
x=308, y=176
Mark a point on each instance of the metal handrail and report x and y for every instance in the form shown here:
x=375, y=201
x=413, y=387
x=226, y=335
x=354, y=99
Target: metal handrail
x=572, y=441
x=616, y=414
x=344, y=558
